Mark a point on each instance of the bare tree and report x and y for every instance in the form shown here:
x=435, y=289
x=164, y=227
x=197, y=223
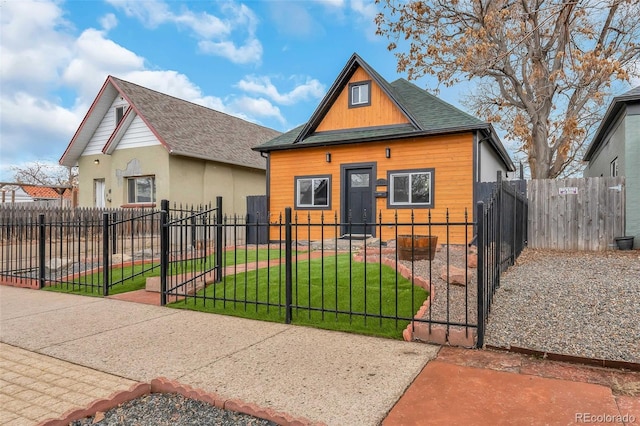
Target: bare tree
x=544, y=68
x=42, y=173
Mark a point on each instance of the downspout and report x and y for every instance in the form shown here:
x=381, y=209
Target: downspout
x=268, y=178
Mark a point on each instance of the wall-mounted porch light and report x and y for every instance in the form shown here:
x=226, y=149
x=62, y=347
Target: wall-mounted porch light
x=96, y=161
x=387, y=152
x=328, y=157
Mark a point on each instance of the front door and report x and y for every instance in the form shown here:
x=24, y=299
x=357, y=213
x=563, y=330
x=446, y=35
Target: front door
x=358, y=200
x=98, y=193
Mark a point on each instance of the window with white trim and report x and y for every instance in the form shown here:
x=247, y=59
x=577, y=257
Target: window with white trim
x=141, y=189
x=359, y=94
x=614, y=167
x=411, y=188
x=313, y=192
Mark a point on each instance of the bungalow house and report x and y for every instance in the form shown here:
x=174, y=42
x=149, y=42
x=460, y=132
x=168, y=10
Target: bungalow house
x=137, y=146
x=615, y=151
x=373, y=147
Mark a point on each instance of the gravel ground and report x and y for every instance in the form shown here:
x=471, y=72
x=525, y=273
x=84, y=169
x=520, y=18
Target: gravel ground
x=462, y=306
x=161, y=409
x=575, y=303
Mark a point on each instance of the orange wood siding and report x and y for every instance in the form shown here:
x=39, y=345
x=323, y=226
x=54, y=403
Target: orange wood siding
x=381, y=112
x=451, y=156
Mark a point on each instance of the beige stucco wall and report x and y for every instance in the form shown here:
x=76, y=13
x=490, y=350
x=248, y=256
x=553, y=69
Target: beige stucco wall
x=178, y=179
x=196, y=181
x=151, y=160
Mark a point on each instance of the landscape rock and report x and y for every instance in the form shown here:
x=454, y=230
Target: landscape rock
x=57, y=264
x=120, y=258
x=456, y=275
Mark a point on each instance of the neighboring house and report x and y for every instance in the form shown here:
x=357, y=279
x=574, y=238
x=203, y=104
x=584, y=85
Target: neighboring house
x=137, y=146
x=373, y=146
x=50, y=195
x=615, y=151
x=41, y=195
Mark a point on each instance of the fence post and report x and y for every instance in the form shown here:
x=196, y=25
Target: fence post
x=219, y=230
x=114, y=236
x=499, y=227
x=288, y=265
x=41, y=250
x=164, y=250
x=193, y=228
x=105, y=254
x=481, y=272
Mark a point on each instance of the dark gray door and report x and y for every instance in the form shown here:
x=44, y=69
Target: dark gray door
x=358, y=199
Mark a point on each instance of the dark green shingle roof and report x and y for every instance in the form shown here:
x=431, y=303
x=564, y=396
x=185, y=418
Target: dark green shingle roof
x=427, y=115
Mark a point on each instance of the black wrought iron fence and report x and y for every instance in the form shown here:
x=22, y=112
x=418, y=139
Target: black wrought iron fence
x=190, y=248
x=69, y=248
x=413, y=278
x=501, y=237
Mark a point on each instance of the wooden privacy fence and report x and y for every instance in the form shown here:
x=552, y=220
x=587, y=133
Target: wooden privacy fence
x=576, y=214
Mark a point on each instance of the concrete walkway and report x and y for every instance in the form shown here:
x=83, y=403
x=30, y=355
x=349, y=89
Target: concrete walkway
x=63, y=351
x=326, y=376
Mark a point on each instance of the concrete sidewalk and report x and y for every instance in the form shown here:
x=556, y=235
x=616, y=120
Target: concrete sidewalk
x=98, y=347
x=332, y=377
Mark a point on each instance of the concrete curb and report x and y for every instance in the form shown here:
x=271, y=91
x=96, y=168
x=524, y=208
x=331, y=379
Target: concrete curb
x=572, y=359
x=164, y=385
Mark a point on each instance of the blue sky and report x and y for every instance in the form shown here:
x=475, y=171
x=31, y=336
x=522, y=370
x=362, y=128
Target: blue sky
x=269, y=62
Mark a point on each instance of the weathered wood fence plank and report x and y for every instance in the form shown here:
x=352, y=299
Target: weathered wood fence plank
x=577, y=213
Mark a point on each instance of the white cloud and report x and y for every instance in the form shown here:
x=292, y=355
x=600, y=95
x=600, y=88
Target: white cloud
x=332, y=3
x=310, y=89
x=32, y=46
x=250, y=52
x=175, y=84
x=30, y=124
x=367, y=11
x=257, y=107
x=109, y=21
x=214, y=34
x=36, y=124
x=95, y=57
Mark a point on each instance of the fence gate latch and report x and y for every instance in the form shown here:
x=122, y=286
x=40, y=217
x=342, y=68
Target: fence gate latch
x=618, y=187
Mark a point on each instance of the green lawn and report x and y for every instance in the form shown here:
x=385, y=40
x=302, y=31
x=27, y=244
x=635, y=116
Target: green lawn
x=135, y=278
x=312, y=290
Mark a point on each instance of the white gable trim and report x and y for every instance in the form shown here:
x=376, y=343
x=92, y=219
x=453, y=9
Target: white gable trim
x=119, y=131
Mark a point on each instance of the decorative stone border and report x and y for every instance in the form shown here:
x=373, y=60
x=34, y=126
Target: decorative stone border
x=164, y=385
x=416, y=330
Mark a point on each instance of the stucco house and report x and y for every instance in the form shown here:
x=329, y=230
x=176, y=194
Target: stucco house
x=615, y=151
x=376, y=147
x=137, y=146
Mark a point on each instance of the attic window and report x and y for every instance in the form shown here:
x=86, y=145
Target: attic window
x=119, y=114
x=359, y=94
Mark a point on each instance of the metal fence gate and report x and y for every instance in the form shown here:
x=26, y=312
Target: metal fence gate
x=191, y=249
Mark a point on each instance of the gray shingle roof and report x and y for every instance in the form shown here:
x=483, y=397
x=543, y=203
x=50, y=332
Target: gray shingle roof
x=616, y=105
x=192, y=130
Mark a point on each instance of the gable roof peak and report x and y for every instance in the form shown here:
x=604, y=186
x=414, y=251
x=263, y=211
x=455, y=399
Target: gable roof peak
x=183, y=127
x=338, y=85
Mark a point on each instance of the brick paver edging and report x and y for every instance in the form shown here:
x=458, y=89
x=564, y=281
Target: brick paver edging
x=164, y=385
